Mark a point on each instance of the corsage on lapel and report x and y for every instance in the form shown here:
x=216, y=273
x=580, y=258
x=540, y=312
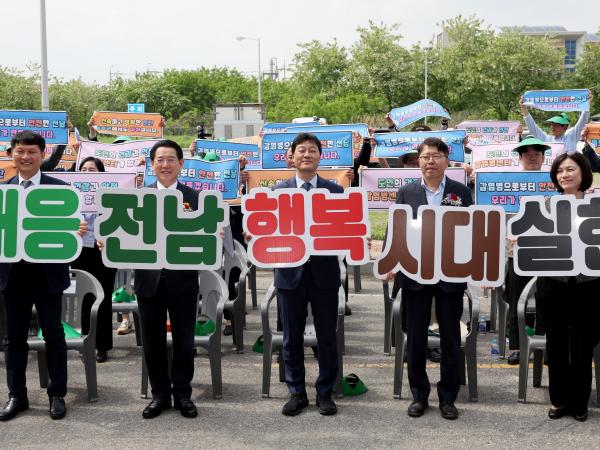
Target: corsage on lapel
x=452, y=200
x=186, y=207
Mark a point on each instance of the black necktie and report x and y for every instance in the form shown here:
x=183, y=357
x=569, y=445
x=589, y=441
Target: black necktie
x=307, y=186
x=26, y=183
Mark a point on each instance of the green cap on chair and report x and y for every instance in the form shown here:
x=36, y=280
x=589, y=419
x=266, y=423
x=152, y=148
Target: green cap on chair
x=352, y=385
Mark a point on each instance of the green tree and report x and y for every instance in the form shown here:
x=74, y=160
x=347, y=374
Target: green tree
x=79, y=99
x=587, y=73
x=321, y=68
x=506, y=73
x=488, y=72
x=453, y=82
x=382, y=68
x=19, y=91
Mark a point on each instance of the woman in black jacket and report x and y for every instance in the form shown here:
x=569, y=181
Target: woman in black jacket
x=90, y=260
x=569, y=303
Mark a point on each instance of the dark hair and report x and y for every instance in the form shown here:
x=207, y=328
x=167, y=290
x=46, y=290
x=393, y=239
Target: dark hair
x=166, y=143
x=98, y=162
x=28, y=138
x=538, y=147
x=587, y=178
x=434, y=142
x=420, y=128
x=306, y=137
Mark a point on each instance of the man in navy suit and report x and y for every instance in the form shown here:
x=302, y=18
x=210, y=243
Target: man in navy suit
x=25, y=284
x=317, y=281
x=175, y=291
x=433, y=189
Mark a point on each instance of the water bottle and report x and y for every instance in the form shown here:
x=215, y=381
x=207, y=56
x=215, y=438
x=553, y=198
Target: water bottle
x=494, y=350
x=482, y=324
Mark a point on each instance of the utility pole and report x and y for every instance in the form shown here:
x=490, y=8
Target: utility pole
x=241, y=38
x=45, y=97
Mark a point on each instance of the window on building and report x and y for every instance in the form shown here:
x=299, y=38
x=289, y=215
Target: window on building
x=249, y=130
x=239, y=113
x=570, y=51
x=228, y=132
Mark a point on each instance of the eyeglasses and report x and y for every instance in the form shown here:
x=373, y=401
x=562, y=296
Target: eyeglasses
x=169, y=161
x=435, y=158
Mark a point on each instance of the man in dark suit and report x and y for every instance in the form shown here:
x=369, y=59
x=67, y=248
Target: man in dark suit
x=433, y=189
x=175, y=291
x=25, y=284
x=317, y=281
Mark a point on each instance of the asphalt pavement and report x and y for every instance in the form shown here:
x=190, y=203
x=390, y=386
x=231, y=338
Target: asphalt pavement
x=242, y=419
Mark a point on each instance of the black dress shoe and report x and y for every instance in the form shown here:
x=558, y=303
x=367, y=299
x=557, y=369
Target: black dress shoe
x=434, y=355
x=417, y=409
x=557, y=413
x=101, y=356
x=155, y=407
x=449, y=411
x=58, y=409
x=326, y=405
x=186, y=406
x=581, y=417
x=12, y=407
x=513, y=359
x=347, y=310
x=295, y=404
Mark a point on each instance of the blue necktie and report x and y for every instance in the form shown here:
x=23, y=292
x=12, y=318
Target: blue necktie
x=307, y=186
x=26, y=183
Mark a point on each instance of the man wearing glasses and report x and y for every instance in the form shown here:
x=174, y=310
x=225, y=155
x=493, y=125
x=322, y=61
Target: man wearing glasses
x=433, y=189
x=175, y=291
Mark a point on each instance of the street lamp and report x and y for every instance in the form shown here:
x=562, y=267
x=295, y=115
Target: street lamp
x=426, y=75
x=241, y=38
x=45, y=100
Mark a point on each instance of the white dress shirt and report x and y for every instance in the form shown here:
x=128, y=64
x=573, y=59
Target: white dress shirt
x=36, y=179
x=312, y=181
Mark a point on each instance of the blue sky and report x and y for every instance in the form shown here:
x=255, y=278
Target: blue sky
x=90, y=39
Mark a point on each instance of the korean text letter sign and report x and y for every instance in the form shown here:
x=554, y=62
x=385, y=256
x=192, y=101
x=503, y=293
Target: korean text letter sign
x=563, y=100
x=508, y=189
x=128, y=124
x=336, y=149
x=411, y=113
x=123, y=157
x=450, y=244
x=231, y=150
x=51, y=125
x=222, y=176
x=88, y=184
x=563, y=241
x=155, y=229
x=289, y=225
x=39, y=224
x=394, y=145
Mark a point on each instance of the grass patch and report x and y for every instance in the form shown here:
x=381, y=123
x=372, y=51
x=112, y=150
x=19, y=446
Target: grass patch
x=378, y=224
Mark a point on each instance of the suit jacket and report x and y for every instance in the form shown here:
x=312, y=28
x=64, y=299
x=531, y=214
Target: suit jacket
x=57, y=275
x=414, y=195
x=179, y=282
x=325, y=269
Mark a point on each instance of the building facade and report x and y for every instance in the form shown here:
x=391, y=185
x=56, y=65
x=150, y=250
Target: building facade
x=572, y=42
x=237, y=120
